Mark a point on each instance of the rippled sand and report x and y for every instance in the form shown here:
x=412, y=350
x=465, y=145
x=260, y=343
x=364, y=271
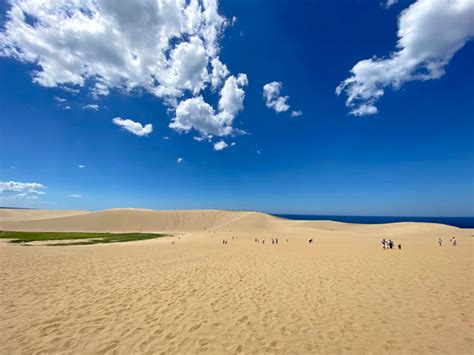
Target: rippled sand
x=343, y=293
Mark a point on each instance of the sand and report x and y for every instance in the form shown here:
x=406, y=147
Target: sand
x=342, y=294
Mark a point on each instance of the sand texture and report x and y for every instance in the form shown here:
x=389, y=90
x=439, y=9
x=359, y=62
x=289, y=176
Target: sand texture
x=341, y=294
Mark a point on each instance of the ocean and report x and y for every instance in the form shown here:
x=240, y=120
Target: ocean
x=461, y=222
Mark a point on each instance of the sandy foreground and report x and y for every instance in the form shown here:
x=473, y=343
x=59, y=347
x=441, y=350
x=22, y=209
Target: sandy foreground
x=341, y=294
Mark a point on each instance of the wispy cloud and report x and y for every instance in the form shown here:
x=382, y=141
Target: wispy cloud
x=134, y=127
x=93, y=107
x=75, y=196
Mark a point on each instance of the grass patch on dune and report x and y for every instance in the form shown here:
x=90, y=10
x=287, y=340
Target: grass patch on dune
x=87, y=238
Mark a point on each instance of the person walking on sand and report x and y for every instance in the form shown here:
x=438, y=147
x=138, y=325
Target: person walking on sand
x=455, y=242
x=440, y=242
x=384, y=242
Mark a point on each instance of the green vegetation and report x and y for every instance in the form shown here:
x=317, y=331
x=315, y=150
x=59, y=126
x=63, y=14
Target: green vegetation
x=87, y=238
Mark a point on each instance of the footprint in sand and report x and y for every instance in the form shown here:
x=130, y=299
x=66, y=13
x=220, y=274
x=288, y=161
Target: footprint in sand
x=242, y=320
x=194, y=328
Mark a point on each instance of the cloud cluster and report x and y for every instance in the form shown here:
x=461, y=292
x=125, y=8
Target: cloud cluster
x=169, y=48
x=273, y=99
x=133, y=127
x=27, y=191
x=430, y=32
x=195, y=113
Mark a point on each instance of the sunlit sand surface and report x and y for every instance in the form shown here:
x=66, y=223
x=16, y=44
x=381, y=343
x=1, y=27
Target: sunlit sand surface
x=343, y=293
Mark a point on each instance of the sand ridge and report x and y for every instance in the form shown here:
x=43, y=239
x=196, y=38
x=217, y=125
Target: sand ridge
x=343, y=294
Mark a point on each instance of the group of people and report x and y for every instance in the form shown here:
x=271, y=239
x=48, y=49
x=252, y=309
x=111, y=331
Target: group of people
x=452, y=240
x=389, y=244
x=274, y=240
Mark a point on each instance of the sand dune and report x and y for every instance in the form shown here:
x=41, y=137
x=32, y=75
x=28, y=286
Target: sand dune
x=343, y=294
x=8, y=214
x=135, y=220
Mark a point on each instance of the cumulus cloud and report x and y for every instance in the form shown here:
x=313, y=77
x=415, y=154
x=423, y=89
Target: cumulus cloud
x=159, y=45
x=273, y=100
x=169, y=48
x=219, y=73
x=80, y=166
x=75, y=196
x=134, y=127
x=220, y=145
x=195, y=113
x=59, y=99
x=22, y=187
x=430, y=32
x=296, y=113
x=11, y=191
x=179, y=160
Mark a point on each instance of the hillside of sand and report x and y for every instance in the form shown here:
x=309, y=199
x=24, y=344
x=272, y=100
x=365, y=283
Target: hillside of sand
x=341, y=294
x=142, y=220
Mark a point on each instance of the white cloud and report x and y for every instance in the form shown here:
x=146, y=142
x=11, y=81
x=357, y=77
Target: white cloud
x=75, y=196
x=14, y=191
x=232, y=144
x=219, y=73
x=166, y=138
x=430, y=32
x=296, y=113
x=195, y=113
x=389, y=3
x=179, y=160
x=220, y=145
x=169, y=48
x=273, y=100
x=59, y=99
x=80, y=166
x=22, y=187
x=232, y=95
x=134, y=127
x=152, y=44
x=93, y=107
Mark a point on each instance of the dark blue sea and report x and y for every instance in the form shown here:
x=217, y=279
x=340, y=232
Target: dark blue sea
x=461, y=222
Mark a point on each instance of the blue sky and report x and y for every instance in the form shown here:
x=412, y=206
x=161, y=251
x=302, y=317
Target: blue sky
x=409, y=151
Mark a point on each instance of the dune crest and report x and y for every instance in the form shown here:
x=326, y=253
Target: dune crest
x=145, y=220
